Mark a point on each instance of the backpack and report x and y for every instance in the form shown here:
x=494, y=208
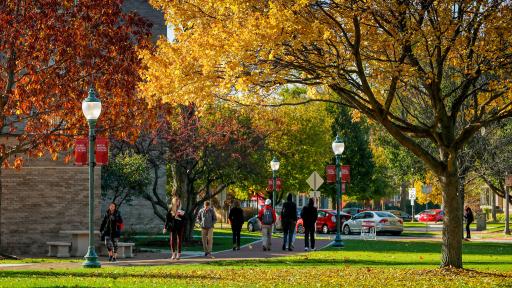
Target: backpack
x=207, y=218
x=267, y=217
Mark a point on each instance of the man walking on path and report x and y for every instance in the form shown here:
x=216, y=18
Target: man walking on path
x=267, y=217
x=309, y=215
x=207, y=219
x=288, y=221
x=236, y=219
x=468, y=215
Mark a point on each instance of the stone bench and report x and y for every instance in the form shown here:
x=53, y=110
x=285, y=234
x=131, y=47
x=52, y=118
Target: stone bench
x=124, y=250
x=58, y=249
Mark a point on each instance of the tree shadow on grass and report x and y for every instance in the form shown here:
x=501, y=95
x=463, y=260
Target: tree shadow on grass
x=346, y=261
x=387, y=247
x=101, y=274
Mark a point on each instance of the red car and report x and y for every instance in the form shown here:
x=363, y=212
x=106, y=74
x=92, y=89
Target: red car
x=326, y=221
x=433, y=215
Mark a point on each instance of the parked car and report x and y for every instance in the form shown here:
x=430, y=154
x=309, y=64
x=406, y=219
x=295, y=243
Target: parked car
x=385, y=222
x=432, y=215
x=326, y=221
x=254, y=224
x=353, y=210
x=400, y=214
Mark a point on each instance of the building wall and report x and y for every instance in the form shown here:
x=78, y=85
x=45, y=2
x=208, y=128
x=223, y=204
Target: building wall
x=39, y=201
x=138, y=215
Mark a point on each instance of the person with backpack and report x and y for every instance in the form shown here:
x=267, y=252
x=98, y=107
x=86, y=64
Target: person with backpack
x=110, y=230
x=309, y=215
x=207, y=219
x=288, y=221
x=175, y=225
x=236, y=218
x=267, y=217
x=468, y=215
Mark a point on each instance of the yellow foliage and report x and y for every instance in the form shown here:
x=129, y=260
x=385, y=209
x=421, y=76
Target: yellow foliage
x=435, y=196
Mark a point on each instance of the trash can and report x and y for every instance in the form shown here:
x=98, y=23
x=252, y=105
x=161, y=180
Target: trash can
x=481, y=221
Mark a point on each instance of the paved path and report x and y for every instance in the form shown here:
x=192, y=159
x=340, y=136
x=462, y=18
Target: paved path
x=247, y=252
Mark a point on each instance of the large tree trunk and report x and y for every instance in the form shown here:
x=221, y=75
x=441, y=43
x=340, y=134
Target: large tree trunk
x=183, y=186
x=452, y=224
x=493, y=207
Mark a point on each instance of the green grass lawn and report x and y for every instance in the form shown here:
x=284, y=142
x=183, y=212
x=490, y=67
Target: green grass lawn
x=359, y=264
x=221, y=240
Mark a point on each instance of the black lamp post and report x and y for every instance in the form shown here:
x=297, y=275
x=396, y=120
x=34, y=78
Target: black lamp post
x=337, y=147
x=91, y=108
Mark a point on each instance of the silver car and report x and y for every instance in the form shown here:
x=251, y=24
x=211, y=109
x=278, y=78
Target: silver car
x=384, y=222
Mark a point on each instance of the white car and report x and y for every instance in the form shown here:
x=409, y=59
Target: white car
x=384, y=222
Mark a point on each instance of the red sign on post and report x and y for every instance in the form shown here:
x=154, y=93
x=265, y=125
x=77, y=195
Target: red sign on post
x=270, y=185
x=345, y=173
x=81, y=151
x=101, y=151
x=330, y=173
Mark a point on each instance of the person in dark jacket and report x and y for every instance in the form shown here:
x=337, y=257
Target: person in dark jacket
x=288, y=222
x=309, y=215
x=175, y=225
x=111, y=230
x=468, y=215
x=236, y=218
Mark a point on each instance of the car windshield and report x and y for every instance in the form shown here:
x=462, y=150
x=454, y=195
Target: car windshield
x=429, y=212
x=384, y=214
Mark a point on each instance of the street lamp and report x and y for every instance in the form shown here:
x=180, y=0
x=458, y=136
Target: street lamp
x=91, y=107
x=337, y=147
x=274, y=165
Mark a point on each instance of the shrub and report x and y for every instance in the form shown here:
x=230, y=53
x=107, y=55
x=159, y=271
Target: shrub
x=249, y=212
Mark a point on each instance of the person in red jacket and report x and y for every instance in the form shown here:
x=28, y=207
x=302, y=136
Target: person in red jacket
x=267, y=217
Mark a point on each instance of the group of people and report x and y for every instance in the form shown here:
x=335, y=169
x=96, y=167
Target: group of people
x=289, y=217
x=175, y=223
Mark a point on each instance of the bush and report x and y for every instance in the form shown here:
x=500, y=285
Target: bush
x=501, y=217
x=249, y=212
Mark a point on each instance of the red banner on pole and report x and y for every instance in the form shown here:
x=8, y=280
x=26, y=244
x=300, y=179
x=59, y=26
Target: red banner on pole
x=270, y=184
x=81, y=151
x=101, y=151
x=345, y=173
x=330, y=173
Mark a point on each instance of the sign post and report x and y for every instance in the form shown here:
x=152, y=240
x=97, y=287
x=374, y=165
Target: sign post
x=315, y=181
x=508, y=184
x=412, y=197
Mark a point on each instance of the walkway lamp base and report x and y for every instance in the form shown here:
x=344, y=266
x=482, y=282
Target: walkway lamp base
x=338, y=243
x=91, y=259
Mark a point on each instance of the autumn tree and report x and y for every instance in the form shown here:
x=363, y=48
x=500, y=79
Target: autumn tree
x=378, y=57
x=51, y=52
x=207, y=153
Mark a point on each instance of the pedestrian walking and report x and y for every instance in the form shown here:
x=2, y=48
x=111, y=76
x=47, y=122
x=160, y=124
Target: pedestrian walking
x=267, y=217
x=288, y=222
x=236, y=218
x=110, y=230
x=175, y=226
x=309, y=214
x=207, y=219
x=468, y=215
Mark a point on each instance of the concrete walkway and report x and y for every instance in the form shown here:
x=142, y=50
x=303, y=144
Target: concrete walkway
x=247, y=252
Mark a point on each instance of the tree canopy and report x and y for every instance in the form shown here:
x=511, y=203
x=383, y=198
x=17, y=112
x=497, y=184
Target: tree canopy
x=414, y=67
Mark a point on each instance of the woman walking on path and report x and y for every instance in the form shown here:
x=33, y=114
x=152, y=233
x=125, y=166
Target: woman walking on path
x=175, y=225
x=110, y=229
x=468, y=215
x=236, y=218
x=309, y=215
x=267, y=217
x=207, y=219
